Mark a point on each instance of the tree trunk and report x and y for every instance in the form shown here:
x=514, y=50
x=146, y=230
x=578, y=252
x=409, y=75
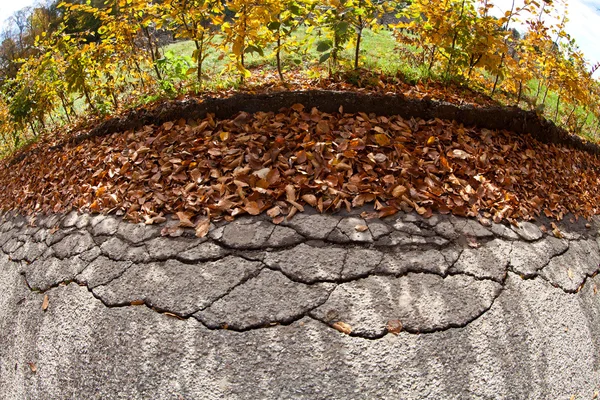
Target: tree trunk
x=62, y=100
x=498, y=74
x=358, y=38
x=278, y=55
x=570, y=115
x=152, y=54
x=32, y=129
x=431, y=62
x=242, y=77
x=86, y=93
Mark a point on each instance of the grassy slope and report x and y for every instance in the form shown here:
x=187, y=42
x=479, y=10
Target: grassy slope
x=379, y=53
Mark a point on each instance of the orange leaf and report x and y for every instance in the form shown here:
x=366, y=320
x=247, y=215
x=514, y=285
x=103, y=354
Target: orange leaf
x=45, y=302
x=342, y=327
x=382, y=139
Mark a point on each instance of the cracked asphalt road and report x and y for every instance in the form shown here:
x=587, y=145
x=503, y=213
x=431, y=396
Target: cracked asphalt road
x=487, y=312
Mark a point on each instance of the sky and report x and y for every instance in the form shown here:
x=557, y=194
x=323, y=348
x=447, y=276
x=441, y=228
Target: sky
x=583, y=25
x=8, y=7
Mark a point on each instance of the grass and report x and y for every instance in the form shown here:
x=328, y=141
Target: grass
x=373, y=46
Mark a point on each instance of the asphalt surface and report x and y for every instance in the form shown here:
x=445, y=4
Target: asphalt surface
x=320, y=307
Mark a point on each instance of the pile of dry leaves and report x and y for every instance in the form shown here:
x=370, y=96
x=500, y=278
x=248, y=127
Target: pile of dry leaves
x=278, y=163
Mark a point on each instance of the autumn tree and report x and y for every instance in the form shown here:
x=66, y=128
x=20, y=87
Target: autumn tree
x=247, y=32
x=290, y=15
x=196, y=20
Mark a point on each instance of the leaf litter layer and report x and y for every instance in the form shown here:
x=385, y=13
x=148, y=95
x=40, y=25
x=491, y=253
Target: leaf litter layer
x=208, y=169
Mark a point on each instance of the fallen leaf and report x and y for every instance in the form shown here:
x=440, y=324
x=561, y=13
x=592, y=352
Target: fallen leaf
x=342, y=327
x=322, y=127
x=472, y=242
x=361, y=228
x=45, y=302
x=32, y=367
x=252, y=208
x=274, y=212
x=137, y=303
x=168, y=314
x=262, y=173
x=310, y=199
x=557, y=233
x=290, y=192
x=171, y=231
x=460, y=154
x=202, y=227
x=382, y=139
x=394, y=326
x=184, y=219
x=298, y=107
x=399, y=191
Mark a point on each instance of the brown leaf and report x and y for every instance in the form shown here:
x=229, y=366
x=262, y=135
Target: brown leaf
x=290, y=192
x=322, y=127
x=171, y=231
x=555, y=231
x=394, y=326
x=296, y=205
x=274, y=212
x=45, y=302
x=262, y=173
x=184, y=219
x=168, y=314
x=361, y=228
x=310, y=199
x=399, y=191
x=252, y=208
x=32, y=367
x=241, y=119
x=342, y=327
x=202, y=227
x=387, y=211
x=137, y=302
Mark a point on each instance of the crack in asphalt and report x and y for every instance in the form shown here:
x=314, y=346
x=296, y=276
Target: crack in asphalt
x=244, y=253
x=285, y=321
